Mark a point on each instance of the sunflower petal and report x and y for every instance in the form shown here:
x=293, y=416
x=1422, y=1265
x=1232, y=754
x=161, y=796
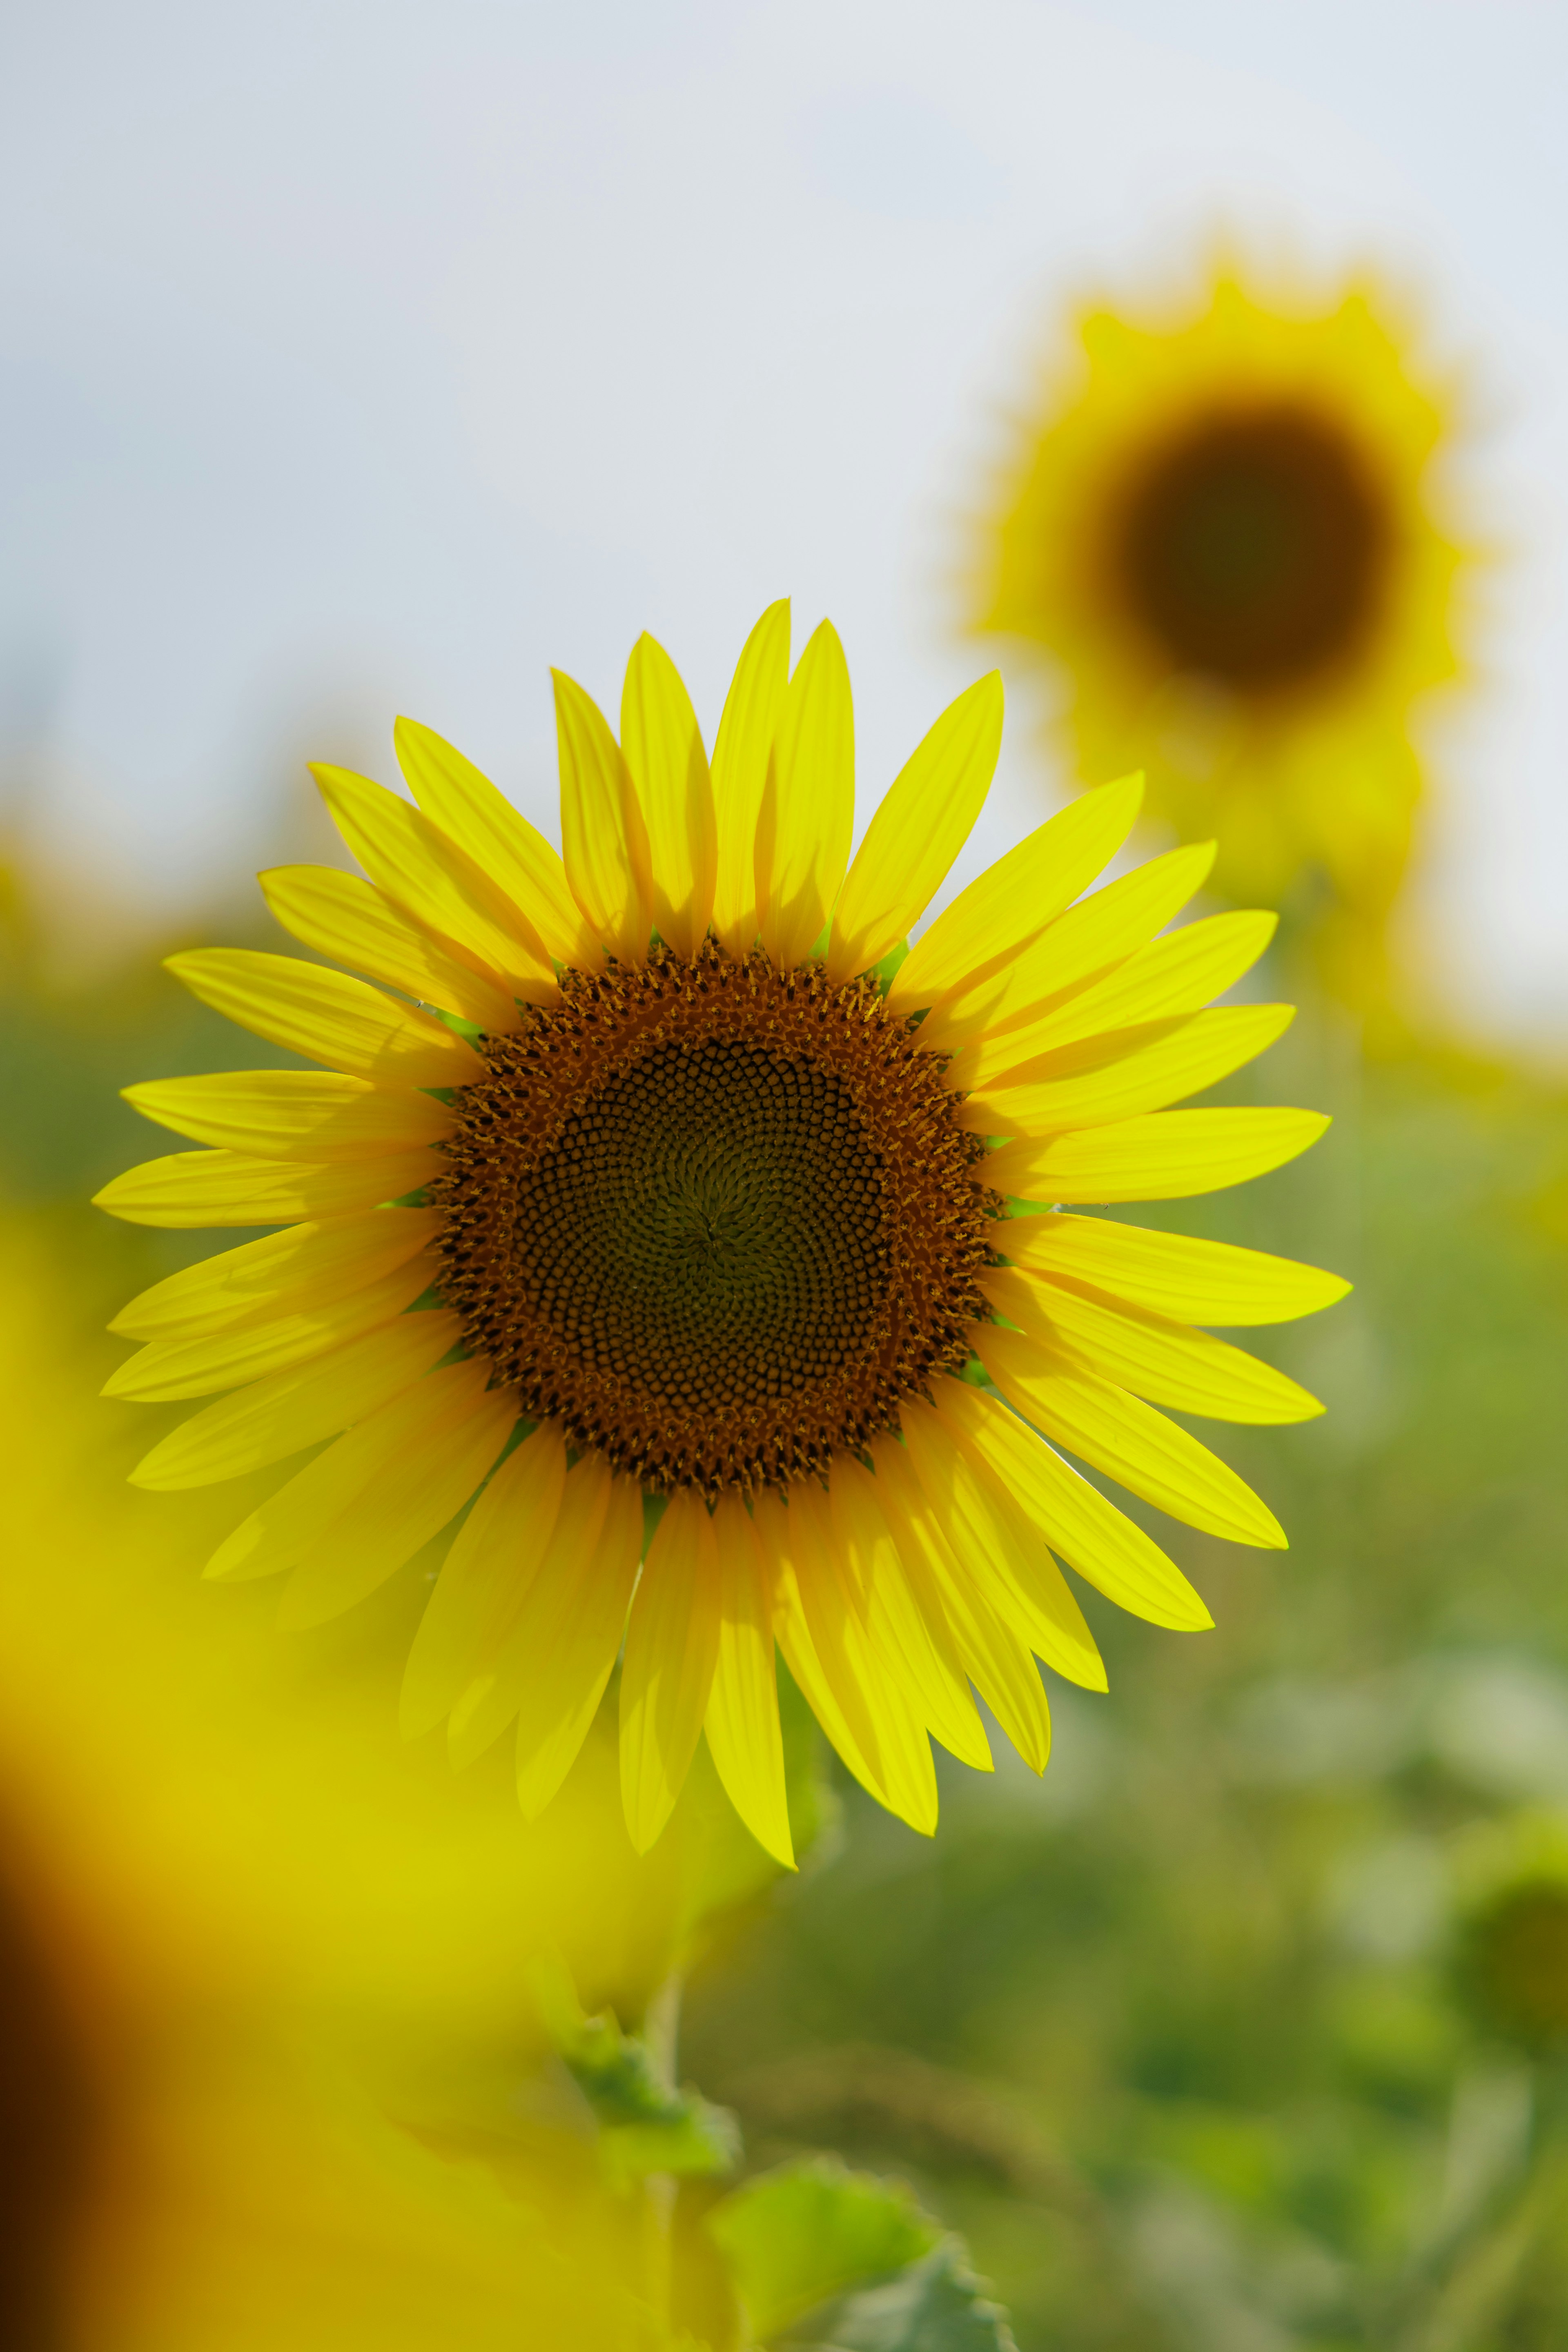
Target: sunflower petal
x=663, y=747
x=292, y=1114
x=1170, y=1273
x=494, y=1558
x=1075, y=1519
x=996, y=1661
x=1130, y=1440
x=807, y=818
x=450, y=1442
x=165, y=1370
x=1011, y=903
x=328, y=1016
x=741, y=755
x=602, y=828
x=345, y=917
x=672, y=1645
x=1165, y=1362
x=741, y=1723
x=288, y=1410
x=566, y=1678
x=986, y=1531
x=923, y=821
x=305, y=1265
x=917, y=1652
x=432, y=880
x=225, y=1188
x=781, y=1543
x=499, y=838
x=1170, y=979
x=1196, y=1054
x=1166, y=1157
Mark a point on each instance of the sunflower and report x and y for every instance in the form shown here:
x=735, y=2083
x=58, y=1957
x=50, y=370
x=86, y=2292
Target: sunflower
x=658, y=1199
x=1221, y=531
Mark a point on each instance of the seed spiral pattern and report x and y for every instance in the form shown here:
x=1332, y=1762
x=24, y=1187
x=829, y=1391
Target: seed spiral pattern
x=719, y=1221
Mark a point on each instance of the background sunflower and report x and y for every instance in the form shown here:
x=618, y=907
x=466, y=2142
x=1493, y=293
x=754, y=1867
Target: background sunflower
x=1221, y=531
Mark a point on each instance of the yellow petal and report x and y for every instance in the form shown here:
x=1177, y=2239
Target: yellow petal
x=312, y=1265
x=292, y=1114
x=346, y=918
x=1090, y=940
x=602, y=828
x=807, y=819
x=493, y=1560
x=987, y=1530
x=224, y=1188
x=742, y=1719
x=1170, y=1273
x=517, y=1641
x=663, y=748
x=1011, y=903
x=1169, y=979
x=1196, y=1054
x=1166, y=1157
x=1075, y=1519
x=328, y=1016
x=432, y=880
x=996, y=1661
x=780, y=1542
x=924, y=820
x=1125, y=1438
x=568, y=1672
x=451, y=1431
x=741, y=755
x=499, y=838
x=288, y=1410
x=168, y=1369
x=915, y=1650
x=1167, y=1363
x=672, y=1644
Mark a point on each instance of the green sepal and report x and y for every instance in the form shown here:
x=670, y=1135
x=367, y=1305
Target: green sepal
x=644, y=2125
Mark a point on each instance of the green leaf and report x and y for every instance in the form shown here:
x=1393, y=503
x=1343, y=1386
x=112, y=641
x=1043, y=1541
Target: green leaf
x=645, y=2125
x=935, y=2305
x=801, y=2237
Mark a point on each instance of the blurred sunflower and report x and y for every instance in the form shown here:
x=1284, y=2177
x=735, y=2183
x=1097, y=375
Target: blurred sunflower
x=1512, y=1950
x=1222, y=533
x=683, y=1203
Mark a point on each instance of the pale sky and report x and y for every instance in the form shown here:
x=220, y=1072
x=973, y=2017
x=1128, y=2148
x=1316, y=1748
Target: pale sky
x=359, y=357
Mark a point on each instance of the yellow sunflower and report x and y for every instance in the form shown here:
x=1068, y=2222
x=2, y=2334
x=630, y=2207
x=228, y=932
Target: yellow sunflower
x=1221, y=531
x=651, y=1193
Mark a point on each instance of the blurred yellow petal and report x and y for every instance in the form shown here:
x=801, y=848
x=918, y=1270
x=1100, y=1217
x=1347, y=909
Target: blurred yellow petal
x=346, y=918
x=807, y=819
x=1012, y=901
x=434, y=1446
x=924, y=820
x=310, y=1264
x=1172, y=1273
x=566, y=1674
x=491, y=1562
x=1075, y=1519
x=432, y=880
x=664, y=751
x=1195, y=1055
x=1167, y=1363
x=1165, y=1157
x=741, y=754
x=328, y=1016
x=225, y=1188
x=603, y=836
x=741, y=1723
x=1125, y=1438
x=672, y=1644
x=288, y=1410
x=292, y=1114
x=497, y=837
x=167, y=1369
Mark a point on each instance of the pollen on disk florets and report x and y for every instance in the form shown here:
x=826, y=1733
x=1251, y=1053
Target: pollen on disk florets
x=718, y=1220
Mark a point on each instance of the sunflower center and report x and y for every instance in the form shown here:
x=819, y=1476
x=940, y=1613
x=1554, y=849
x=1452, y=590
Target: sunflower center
x=1253, y=547
x=718, y=1220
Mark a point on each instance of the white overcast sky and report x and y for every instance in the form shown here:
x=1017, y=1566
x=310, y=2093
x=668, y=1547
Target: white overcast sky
x=359, y=356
